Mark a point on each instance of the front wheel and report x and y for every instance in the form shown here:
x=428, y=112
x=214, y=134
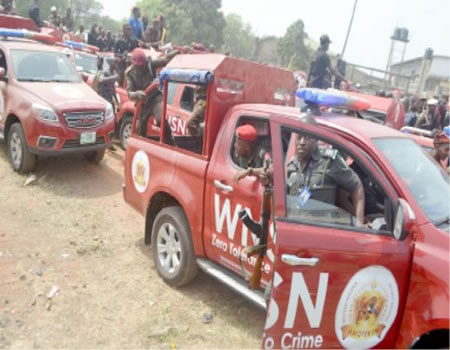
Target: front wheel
x=21, y=159
x=125, y=131
x=173, y=252
x=95, y=156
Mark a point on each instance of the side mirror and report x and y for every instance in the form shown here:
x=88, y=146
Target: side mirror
x=2, y=74
x=404, y=220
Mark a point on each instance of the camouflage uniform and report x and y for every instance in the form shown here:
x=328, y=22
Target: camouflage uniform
x=256, y=160
x=198, y=115
x=152, y=104
x=325, y=172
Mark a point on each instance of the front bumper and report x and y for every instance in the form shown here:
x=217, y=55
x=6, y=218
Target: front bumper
x=57, y=139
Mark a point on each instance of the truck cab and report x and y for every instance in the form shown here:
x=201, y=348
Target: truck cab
x=45, y=107
x=326, y=280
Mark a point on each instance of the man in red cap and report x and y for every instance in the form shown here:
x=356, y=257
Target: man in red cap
x=139, y=76
x=441, y=150
x=247, y=154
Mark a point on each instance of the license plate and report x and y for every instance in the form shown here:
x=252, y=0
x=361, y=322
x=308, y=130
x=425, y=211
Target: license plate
x=88, y=138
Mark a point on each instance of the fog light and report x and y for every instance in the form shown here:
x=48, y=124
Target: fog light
x=47, y=142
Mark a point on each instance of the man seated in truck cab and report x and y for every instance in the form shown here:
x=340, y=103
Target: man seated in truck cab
x=248, y=153
x=198, y=114
x=316, y=173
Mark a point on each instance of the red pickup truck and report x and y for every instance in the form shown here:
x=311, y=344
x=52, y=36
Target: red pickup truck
x=45, y=107
x=334, y=283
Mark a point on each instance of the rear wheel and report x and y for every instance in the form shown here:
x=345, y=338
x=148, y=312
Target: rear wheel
x=173, y=252
x=95, y=156
x=21, y=159
x=125, y=131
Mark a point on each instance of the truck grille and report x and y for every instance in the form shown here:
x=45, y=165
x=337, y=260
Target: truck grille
x=76, y=143
x=84, y=120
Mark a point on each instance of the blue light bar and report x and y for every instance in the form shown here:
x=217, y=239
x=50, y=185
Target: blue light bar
x=12, y=33
x=186, y=76
x=321, y=97
x=74, y=44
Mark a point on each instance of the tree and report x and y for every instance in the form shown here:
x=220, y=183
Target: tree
x=294, y=54
x=238, y=37
x=189, y=21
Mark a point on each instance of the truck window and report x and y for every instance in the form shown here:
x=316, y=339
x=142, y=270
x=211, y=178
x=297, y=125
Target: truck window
x=187, y=99
x=320, y=180
x=171, y=92
x=251, y=154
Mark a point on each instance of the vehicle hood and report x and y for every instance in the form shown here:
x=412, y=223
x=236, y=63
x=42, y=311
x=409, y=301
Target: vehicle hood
x=66, y=96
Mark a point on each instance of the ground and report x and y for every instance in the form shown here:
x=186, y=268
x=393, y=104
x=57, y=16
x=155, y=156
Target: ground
x=72, y=230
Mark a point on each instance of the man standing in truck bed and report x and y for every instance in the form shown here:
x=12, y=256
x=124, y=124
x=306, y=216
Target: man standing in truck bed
x=141, y=75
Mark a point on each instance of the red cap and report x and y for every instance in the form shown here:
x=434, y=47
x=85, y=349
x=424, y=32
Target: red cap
x=441, y=138
x=246, y=133
x=138, y=58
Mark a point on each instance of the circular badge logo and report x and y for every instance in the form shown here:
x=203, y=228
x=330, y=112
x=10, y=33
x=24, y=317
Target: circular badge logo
x=367, y=308
x=140, y=171
x=68, y=92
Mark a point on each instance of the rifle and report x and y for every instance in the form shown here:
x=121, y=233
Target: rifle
x=260, y=229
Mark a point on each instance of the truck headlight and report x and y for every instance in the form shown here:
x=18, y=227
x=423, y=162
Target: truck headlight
x=44, y=113
x=109, y=112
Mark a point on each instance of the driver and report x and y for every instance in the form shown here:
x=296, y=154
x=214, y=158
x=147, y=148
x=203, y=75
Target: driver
x=315, y=173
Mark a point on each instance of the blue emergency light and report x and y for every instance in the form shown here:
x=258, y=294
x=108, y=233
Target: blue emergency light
x=25, y=34
x=186, y=76
x=332, y=99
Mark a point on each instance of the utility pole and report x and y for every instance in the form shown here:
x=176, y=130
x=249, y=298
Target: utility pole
x=349, y=28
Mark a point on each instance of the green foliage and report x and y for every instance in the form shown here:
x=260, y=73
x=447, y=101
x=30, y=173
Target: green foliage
x=189, y=21
x=239, y=39
x=294, y=54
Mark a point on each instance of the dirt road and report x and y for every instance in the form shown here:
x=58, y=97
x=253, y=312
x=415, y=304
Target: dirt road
x=71, y=230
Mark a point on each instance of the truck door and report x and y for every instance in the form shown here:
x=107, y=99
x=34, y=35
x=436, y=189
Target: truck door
x=225, y=236
x=179, y=107
x=3, y=88
x=335, y=284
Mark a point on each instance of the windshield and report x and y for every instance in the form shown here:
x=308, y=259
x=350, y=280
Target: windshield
x=89, y=63
x=41, y=66
x=426, y=180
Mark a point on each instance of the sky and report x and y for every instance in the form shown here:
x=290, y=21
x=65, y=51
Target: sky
x=428, y=22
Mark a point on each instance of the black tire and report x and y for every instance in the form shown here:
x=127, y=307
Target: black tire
x=178, y=245
x=95, y=157
x=125, y=127
x=20, y=157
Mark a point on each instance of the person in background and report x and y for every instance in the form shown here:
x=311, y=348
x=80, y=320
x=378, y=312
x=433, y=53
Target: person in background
x=80, y=36
x=54, y=18
x=341, y=67
x=136, y=24
x=413, y=113
x=145, y=23
x=101, y=41
x=8, y=7
x=93, y=35
x=126, y=44
x=109, y=42
x=35, y=13
x=321, y=68
x=67, y=21
x=107, y=85
x=424, y=121
x=440, y=112
x=441, y=152
x=162, y=29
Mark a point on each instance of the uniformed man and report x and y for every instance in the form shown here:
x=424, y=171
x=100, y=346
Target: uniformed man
x=198, y=114
x=316, y=174
x=248, y=155
x=54, y=18
x=441, y=152
x=140, y=75
x=321, y=68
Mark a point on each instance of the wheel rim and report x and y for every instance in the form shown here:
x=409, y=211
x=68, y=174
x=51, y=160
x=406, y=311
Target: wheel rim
x=15, y=146
x=169, y=249
x=126, y=133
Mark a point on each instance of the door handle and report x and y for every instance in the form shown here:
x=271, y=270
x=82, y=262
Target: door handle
x=223, y=187
x=293, y=260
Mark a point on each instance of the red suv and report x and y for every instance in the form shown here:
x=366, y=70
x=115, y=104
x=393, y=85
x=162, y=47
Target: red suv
x=45, y=107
